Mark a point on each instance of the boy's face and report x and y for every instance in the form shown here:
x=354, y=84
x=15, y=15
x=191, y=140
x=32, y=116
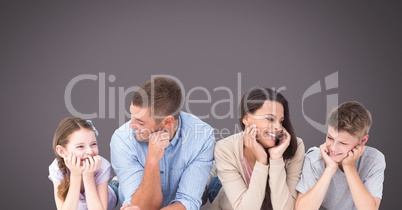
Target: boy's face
x=340, y=143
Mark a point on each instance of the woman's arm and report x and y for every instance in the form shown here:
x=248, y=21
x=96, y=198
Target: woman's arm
x=238, y=193
x=283, y=181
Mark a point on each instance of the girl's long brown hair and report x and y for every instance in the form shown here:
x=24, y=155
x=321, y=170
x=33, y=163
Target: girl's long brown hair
x=61, y=137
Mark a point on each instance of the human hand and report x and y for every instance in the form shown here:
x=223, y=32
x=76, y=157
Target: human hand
x=353, y=155
x=329, y=162
x=277, y=151
x=158, y=141
x=73, y=163
x=91, y=165
x=129, y=207
x=250, y=142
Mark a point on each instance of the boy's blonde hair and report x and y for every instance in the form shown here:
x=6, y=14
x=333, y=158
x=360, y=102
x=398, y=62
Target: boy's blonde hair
x=351, y=117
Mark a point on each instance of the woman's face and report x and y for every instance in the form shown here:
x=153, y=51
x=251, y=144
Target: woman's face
x=268, y=118
x=82, y=143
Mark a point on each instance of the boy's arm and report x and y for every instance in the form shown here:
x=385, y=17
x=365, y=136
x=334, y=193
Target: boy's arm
x=361, y=196
x=314, y=197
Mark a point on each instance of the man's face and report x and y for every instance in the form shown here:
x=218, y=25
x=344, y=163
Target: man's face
x=339, y=144
x=142, y=123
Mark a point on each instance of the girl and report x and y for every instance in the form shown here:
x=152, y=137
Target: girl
x=259, y=167
x=80, y=176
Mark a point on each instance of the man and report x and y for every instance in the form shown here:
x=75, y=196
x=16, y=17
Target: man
x=163, y=156
x=343, y=173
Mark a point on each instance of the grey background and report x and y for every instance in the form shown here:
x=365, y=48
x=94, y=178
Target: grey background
x=44, y=45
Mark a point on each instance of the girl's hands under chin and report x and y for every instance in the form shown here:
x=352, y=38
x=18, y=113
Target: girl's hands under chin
x=91, y=164
x=73, y=163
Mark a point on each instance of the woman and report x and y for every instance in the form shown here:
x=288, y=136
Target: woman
x=259, y=167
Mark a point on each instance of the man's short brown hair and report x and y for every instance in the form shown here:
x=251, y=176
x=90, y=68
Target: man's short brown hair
x=163, y=95
x=351, y=117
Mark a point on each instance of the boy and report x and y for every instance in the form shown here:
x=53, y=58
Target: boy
x=343, y=173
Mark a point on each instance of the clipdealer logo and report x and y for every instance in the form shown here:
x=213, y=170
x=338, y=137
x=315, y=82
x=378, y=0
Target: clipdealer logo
x=330, y=82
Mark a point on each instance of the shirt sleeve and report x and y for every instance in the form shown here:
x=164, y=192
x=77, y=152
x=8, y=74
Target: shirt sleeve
x=374, y=180
x=307, y=179
x=126, y=166
x=55, y=173
x=195, y=176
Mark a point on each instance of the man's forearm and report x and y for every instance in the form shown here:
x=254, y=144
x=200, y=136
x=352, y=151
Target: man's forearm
x=149, y=193
x=175, y=206
x=361, y=196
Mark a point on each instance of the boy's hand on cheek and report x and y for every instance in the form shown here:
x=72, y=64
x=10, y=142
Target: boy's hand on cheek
x=329, y=162
x=353, y=155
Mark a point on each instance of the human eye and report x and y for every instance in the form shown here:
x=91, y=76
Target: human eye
x=94, y=144
x=270, y=119
x=79, y=147
x=330, y=137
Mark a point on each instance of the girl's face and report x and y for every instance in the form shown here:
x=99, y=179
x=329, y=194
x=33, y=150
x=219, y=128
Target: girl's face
x=340, y=143
x=82, y=143
x=268, y=118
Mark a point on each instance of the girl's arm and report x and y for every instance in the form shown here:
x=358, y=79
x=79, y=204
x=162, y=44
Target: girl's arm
x=73, y=196
x=96, y=196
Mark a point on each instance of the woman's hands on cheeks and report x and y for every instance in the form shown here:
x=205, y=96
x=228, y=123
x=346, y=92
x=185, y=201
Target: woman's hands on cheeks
x=250, y=142
x=277, y=151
